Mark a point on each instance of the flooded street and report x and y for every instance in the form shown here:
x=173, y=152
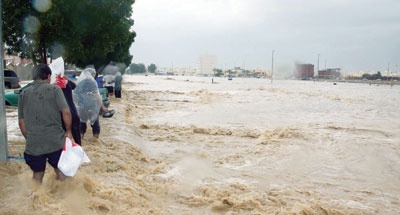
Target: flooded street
x=182, y=145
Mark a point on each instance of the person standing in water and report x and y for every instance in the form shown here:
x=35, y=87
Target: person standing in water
x=88, y=102
x=66, y=85
x=67, y=90
x=39, y=109
x=108, y=83
x=118, y=85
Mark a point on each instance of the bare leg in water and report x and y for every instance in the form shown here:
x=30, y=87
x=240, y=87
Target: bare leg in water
x=38, y=176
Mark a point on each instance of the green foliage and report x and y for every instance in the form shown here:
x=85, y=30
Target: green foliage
x=21, y=37
x=378, y=75
x=375, y=76
x=218, y=72
x=366, y=76
x=83, y=32
x=136, y=68
x=152, y=68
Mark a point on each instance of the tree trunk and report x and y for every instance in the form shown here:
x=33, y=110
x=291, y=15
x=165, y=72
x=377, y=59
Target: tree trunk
x=43, y=56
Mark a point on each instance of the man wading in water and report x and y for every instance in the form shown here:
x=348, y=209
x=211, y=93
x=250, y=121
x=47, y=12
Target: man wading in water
x=39, y=109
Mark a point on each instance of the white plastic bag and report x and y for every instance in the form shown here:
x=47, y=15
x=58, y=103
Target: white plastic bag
x=72, y=157
x=57, y=69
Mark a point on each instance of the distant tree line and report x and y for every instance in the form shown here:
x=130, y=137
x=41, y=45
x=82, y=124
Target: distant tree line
x=140, y=68
x=375, y=76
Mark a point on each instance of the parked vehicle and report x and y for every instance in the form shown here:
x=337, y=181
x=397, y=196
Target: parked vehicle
x=11, y=98
x=11, y=79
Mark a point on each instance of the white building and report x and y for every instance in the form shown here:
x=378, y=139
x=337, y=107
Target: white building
x=207, y=64
x=185, y=71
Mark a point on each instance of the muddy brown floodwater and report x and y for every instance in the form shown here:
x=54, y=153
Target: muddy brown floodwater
x=182, y=145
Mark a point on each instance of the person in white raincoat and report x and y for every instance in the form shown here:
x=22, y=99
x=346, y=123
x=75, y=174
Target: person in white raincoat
x=88, y=102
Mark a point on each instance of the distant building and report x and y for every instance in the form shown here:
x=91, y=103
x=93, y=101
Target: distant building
x=21, y=66
x=207, y=64
x=236, y=72
x=185, y=71
x=332, y=73
x=258, y=72
x=304, y=71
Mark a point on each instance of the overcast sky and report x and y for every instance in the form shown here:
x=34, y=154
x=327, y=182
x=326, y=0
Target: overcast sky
x=355, y=35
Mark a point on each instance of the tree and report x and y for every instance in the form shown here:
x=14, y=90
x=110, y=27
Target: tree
x=378, y=75
x=366, y=76
x=375, y=76
x=136, y=68
x=152, y=68
x=218, y=72
x=83, y=32
x=26, y=30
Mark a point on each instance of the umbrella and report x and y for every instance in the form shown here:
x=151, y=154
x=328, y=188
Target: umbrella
x=111, y=69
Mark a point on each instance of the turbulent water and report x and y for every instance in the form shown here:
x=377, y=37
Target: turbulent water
x=185, y=145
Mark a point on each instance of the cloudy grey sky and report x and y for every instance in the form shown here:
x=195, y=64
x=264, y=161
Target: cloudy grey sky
x=355, y=35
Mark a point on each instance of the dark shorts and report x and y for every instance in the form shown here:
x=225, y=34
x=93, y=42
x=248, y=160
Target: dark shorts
x=117, y=93
x=110, y=89
x=38, y=163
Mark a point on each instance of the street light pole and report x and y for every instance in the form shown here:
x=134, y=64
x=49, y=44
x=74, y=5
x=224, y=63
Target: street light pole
x=318, y=66
x=272, y=66
x=3, y=121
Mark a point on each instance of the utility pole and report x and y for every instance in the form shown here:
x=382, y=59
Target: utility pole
x=3, y=121
x=318, y=66
x=272, y=66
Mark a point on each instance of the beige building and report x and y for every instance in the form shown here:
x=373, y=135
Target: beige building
x=21, y=66
x=207, y=64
